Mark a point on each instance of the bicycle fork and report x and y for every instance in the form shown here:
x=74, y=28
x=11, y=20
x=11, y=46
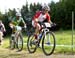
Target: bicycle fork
x=47, y=37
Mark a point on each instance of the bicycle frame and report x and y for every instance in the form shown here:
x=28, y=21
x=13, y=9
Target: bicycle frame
x=43, y=32
x=44, y=29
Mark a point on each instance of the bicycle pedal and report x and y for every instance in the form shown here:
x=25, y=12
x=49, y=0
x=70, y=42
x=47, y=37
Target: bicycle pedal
x=34, y=43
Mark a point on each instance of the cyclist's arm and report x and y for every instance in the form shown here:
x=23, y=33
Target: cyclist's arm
x=23, y=21
x=48, y=18
x=35, y=18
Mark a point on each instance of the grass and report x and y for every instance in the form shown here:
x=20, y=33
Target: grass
x=65, y=38
x=62, y=38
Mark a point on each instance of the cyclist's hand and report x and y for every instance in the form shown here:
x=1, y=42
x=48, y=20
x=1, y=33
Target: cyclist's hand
x=36, y=20
x=53, y=24
x=11, y=25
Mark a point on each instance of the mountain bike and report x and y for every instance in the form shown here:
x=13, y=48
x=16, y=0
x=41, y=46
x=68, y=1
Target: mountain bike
x=16, y=40
x=46, y=39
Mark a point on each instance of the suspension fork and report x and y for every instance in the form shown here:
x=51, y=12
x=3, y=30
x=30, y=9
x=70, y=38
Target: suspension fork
x=45, y=31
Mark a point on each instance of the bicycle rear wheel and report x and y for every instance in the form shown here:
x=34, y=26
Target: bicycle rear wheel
x=48, y=43
x=20, y=42
x=12, y=43
x=31, y=45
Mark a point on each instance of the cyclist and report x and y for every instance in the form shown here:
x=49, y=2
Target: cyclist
x=2, y=30
x=40, y=16
x=15, y=22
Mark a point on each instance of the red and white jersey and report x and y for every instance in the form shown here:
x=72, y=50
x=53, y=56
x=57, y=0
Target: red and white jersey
x=41, y=17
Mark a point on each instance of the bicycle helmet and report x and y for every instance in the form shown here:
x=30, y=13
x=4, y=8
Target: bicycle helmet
x=18, y=14
x=45, y=7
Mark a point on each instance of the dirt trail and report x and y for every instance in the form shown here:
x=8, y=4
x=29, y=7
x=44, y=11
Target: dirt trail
x=7, y=53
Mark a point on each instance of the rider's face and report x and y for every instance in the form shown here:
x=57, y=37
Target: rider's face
x=17, y=17
x=45, y=11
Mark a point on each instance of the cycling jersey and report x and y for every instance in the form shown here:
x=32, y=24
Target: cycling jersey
x=16, y=21
x=41, y=17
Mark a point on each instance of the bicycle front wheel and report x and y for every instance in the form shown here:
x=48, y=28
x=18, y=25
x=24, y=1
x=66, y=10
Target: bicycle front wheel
x=20, y=42
x=48, y=43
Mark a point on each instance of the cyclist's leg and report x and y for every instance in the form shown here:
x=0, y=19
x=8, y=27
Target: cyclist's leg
x=13, y=33
x=37, y=28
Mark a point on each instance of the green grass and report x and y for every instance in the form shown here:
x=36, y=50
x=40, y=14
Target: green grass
x=62, y=38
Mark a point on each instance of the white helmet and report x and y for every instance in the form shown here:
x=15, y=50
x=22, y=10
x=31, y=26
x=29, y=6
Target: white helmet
x=46, y=7
x=18, y=14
